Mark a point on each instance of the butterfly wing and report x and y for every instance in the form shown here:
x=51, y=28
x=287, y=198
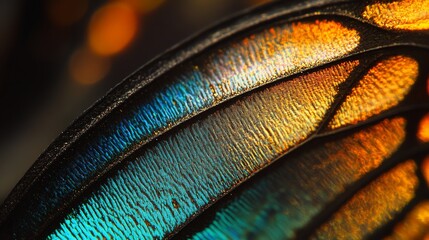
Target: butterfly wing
x=194, y=125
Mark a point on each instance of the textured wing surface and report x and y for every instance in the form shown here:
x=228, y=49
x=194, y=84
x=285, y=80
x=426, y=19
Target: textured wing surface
x=293, y=121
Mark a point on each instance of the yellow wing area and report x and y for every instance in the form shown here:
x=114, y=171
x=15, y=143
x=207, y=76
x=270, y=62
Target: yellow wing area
x=384, y=86
x=400, y=15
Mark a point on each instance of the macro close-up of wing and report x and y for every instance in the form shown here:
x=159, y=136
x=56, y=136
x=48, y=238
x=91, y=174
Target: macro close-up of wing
x=295, y=120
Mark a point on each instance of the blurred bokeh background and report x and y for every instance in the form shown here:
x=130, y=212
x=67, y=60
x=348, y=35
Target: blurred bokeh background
x=57, y=57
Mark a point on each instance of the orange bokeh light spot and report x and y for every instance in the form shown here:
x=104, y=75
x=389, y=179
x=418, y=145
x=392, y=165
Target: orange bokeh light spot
x=112, y=27
x=86, y=68
x=423, y=131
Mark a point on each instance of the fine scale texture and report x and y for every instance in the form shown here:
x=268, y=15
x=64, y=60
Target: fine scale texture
x=297, y=120
x=298, y=188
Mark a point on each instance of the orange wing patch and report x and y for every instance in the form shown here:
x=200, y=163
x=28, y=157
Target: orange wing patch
x=374, y=205
x=423, y=130
x=415, y=225
x=401, y=15
x=383, y=87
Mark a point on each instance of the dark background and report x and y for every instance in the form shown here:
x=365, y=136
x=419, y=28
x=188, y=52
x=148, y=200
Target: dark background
x=57, y=57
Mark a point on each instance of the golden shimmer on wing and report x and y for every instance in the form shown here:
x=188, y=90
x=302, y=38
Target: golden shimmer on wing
x=414, y=226
x=367, y=149
x=274, y=53
x=383, y=87
x=302, y=185
x=402, y=14
x=423, y=130
x=373, y=206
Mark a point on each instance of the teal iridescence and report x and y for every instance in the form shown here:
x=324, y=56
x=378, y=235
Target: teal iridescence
x=236, y=67
x=277, y=204
x=184, y=172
